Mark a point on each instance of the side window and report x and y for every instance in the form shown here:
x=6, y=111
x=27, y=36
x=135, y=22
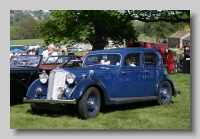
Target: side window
x=132, y=59
x=150, y=59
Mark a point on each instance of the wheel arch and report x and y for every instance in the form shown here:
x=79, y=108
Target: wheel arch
x=101, y=92
x=160, y=81
x=92, y=83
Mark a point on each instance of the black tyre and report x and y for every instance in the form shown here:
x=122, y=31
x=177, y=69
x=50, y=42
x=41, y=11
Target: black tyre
x=164, y=93
x=89, y=105
x=36, y=110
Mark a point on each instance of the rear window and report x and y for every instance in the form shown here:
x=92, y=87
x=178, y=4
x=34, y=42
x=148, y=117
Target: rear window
x=150, y=59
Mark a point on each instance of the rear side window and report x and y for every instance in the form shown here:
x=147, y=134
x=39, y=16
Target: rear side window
x=132, y=59
x=150, y=59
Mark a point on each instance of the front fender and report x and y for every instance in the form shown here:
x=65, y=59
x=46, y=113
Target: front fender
x=82, y=86
x=32, y=88
x=165, y=78
x=17, y=88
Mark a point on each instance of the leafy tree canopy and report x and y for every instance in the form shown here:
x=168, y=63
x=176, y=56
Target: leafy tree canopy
x=161, y=29
x=173, y=16
x=25, y=30
x=98, y=26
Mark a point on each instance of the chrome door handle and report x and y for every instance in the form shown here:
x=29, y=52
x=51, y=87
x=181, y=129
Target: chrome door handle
x=123, y=72
x=146, y=71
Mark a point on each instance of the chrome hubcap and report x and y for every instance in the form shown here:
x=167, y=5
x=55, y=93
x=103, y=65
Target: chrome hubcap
x=165, y=93
x=91, y=104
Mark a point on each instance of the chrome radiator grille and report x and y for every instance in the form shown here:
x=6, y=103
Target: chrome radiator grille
x=56, y=79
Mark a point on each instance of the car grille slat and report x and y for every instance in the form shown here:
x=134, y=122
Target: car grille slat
x=56, y=79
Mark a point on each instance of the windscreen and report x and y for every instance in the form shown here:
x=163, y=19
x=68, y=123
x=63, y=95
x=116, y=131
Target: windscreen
x=25, y=61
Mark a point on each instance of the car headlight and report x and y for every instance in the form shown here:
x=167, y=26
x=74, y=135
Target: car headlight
x=70, y=78
x=43, y=77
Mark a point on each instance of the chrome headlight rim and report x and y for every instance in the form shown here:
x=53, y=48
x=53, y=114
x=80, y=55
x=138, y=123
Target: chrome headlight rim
x=43, y=78
x=60, y=92
x=70, y=78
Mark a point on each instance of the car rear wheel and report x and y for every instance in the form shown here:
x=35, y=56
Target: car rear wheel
x=89, y=105
x=164, y=93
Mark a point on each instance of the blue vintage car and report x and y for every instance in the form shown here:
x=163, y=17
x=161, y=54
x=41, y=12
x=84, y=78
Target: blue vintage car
x=105, y=78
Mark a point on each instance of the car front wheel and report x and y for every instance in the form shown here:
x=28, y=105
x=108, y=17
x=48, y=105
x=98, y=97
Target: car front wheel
x=164, y=93
x=89, y=105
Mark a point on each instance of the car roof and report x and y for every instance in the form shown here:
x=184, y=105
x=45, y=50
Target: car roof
x=123, y=50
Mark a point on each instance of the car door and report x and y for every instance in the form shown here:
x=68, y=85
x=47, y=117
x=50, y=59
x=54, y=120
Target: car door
x=151, y=73
x=130, y=81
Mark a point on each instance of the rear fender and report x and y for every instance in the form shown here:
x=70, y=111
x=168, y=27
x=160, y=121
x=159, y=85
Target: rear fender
x=162, y=79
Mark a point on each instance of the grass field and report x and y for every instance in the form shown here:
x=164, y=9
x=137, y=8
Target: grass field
x=131, y=116
x=26, y=42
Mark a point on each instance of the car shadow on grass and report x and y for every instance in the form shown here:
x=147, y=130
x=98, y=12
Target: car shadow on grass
x=72, y=111
x=130, y=106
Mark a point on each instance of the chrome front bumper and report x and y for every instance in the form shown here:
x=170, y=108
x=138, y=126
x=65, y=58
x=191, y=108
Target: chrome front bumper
x=49, y=101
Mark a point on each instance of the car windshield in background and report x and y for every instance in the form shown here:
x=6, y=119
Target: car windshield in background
x=102, y=59
x=56, y=60
x=24, y=61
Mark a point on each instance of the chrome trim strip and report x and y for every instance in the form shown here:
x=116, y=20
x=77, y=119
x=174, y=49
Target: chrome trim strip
x=73, y=101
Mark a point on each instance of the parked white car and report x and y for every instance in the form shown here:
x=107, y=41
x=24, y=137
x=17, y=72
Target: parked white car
x=75, y=49
x=80, y=49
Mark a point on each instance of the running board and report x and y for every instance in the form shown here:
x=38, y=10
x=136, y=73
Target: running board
x=131, y=100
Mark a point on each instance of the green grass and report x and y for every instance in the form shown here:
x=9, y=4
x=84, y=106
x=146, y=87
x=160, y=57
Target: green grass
x=130, y=116
x=27, y=41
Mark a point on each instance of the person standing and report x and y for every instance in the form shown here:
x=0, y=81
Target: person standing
x=170, y=62
x=62, y=52
x=11, y=54
x=49, y=52
x=30, y=52
x=18, y=53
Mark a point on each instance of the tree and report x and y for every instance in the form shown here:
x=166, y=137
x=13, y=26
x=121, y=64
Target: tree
x=99, y=25
x=25, y=30
x=139, y=29
x=12, y=11
x=20, y=16
x=187, y=28
x=172, y=16
x=161, y=29
x=46, y=16
x=102, y=25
